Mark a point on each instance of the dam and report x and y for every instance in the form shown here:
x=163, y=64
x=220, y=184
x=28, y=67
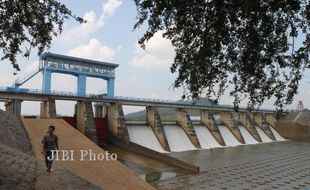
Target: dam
x=214, y=148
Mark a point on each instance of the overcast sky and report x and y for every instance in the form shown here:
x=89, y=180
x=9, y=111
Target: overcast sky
x=108, y=36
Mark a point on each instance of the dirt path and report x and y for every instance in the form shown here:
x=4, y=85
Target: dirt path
x=104, y=174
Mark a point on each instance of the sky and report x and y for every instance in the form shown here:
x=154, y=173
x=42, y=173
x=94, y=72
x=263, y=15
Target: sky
x=109, y=36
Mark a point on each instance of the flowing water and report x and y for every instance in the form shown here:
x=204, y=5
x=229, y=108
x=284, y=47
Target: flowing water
x=277, y=135
x=177, y=139
x=248, y=138
x=229, y=138
x=262, y=135
x=205, y=138
x=144, y=135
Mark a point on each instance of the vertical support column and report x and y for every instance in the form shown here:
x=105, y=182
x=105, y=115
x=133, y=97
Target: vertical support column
x=80, y=116
x=185, y=122
x=110, y=88
x=44, y=110
x=228, y=119
x=260, y=120
x=153, y=120
x=81, y=85
x=47, y=81
x=90, y=124
x=9, y=107
x=249, y=124
x=17, y=106
x=116, y=122
x=208, y=120
x=48, y=109
x=271, y=119
x=100, y=110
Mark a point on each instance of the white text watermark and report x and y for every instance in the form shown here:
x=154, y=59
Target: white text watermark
x=81, y=155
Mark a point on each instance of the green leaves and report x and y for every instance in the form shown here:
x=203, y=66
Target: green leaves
x=30, y=24
x=246, y=47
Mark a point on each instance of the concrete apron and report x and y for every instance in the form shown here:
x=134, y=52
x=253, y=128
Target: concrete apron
x=162, y=157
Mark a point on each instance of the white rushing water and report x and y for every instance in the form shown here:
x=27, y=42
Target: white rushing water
x=205, y=137
x=144, y=135
x=248, y=138
x=262, y=135
x=277, y=135
x=177, y=139
x=229, y=138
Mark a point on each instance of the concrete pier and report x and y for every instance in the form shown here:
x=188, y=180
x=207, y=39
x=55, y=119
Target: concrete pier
x=13, y=107
x=208, y=120
x=185, y=122
x=116, y=122
x=249, y=124
x=48, y=109
x=261, y=122
x=230, y=119
x=154, y=121
x=85, y=120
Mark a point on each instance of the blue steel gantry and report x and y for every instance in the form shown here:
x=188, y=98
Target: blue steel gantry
x=81, y=68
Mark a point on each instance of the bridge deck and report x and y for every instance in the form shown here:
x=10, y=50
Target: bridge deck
x=38, y=95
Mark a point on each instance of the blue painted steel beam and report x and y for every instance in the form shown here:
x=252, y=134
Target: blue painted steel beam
x=47, y=81
x=77, y=73
x=110, y=90
x=81, y=85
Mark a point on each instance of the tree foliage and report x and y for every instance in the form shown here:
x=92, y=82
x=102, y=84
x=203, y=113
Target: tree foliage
x=255, y=49
x=26, y=24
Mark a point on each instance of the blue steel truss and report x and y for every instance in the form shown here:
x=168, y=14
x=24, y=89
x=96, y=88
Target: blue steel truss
x=81, y=68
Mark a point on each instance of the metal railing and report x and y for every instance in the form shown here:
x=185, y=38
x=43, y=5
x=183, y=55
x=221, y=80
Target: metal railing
x=121, y=98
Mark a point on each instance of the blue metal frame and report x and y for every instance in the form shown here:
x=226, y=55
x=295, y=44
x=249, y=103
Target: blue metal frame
x=81, y=68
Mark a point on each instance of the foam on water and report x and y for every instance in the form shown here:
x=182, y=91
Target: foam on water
x=277, y=135
x=262, y=135
x=229, y=138
x=205, y=138
x=144, y=135
x=177, y=139
x=248, y=138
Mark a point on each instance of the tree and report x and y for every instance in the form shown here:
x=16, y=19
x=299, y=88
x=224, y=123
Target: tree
x=246, y=47
x=30, y=23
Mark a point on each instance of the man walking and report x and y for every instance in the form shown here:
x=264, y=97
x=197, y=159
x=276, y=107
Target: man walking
x=50, y=142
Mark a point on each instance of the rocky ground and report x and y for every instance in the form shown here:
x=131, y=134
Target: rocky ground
x=19, y=169
x=13, y=134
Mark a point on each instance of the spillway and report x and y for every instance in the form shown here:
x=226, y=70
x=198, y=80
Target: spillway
x=248, y=138
x=262, y=135
x=144, y=135
x=205, y=138
x=277, y=135
x=229, y=138
x=177, y=139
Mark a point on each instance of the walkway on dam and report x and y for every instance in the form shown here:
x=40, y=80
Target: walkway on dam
x=104, y=174
x=269, y=166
